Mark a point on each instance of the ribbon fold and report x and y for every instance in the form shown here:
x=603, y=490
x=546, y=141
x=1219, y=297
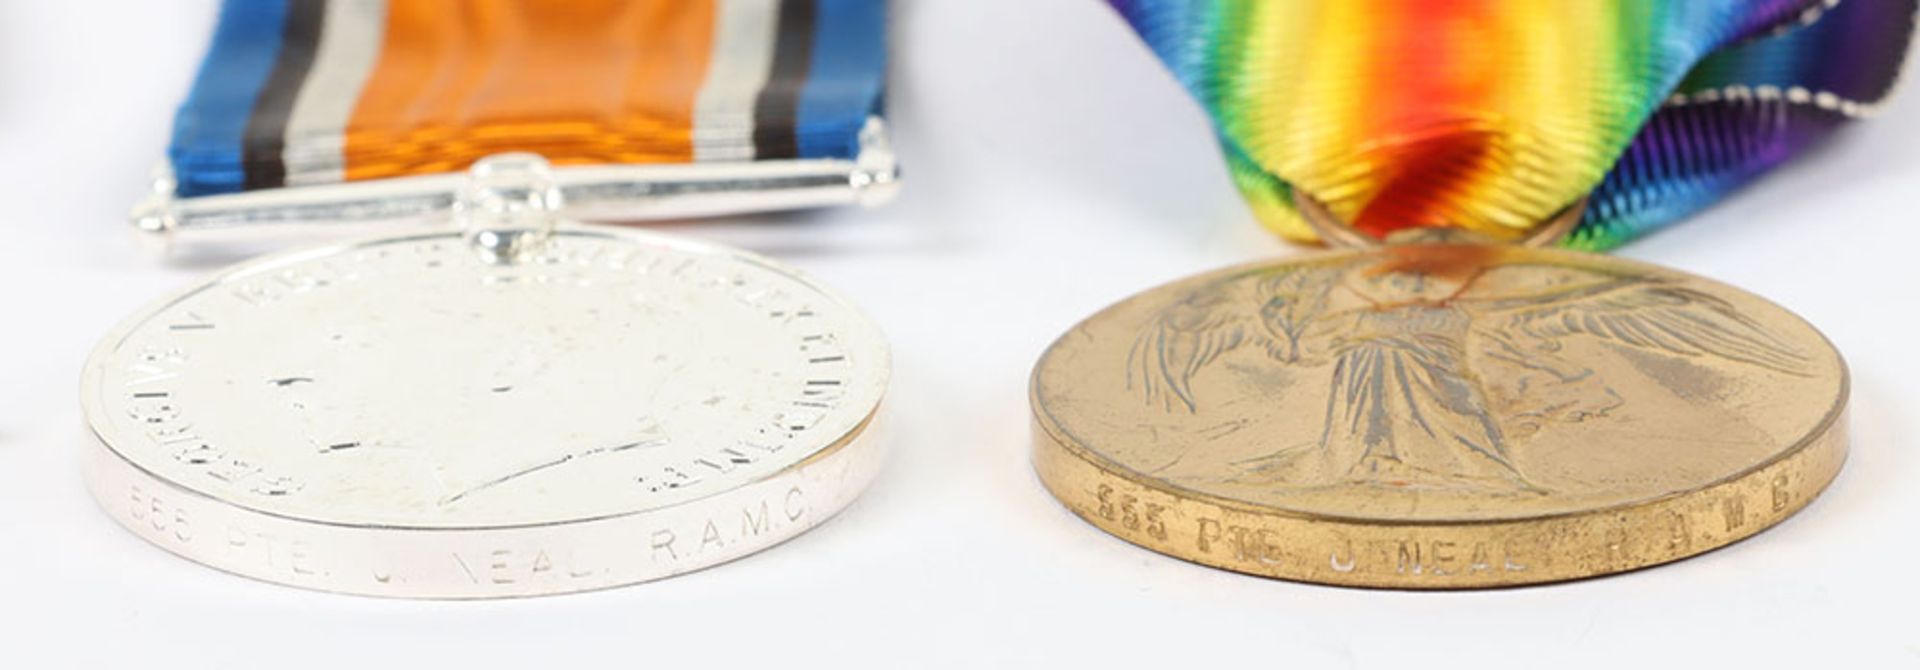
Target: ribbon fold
x=1492, y=115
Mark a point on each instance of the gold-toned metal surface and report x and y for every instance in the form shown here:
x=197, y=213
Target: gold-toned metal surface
x=1439, y=416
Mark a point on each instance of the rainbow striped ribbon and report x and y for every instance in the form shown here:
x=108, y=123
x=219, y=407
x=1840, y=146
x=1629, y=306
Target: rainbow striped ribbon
x=1492, y=115
x=305, y=92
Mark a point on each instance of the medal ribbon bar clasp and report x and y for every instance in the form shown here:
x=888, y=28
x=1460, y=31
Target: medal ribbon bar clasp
x=336, y=117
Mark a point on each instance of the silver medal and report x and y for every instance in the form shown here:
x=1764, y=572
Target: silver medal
x=511, y=409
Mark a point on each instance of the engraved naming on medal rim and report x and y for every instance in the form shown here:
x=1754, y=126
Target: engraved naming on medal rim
x=408, y=384
x=1427, y=394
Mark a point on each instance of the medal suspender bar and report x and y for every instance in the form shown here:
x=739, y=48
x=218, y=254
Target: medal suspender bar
x=336, y=116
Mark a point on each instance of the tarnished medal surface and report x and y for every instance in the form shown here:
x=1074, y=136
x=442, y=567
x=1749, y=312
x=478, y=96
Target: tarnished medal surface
x=407, y=417
x=1439, y=416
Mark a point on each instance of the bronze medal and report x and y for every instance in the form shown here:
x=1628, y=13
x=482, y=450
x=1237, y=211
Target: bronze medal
x=1439, y=416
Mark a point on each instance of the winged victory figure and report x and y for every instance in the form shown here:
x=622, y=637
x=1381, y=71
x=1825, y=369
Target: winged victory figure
x=1440, y=357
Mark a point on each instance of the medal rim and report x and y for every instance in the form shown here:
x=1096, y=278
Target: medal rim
x=859, y=458
x=1050, y=443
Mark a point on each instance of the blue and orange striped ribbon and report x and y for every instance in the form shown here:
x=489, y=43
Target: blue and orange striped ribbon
x=300, y=92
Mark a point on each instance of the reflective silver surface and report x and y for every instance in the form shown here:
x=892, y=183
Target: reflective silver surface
x=404, y=417
x=592, y=193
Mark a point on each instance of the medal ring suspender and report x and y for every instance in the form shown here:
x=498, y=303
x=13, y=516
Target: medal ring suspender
x=1329, y=228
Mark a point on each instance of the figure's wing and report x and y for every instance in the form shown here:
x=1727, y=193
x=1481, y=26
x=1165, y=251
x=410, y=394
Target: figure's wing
x=1186, y=336
x=1649, y=314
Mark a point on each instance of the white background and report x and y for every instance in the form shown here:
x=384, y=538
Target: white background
x=1052, y=168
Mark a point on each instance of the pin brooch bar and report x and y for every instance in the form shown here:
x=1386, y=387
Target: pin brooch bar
x=592, y=193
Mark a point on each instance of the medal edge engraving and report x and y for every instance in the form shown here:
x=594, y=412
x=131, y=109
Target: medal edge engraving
x=1121, y=501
